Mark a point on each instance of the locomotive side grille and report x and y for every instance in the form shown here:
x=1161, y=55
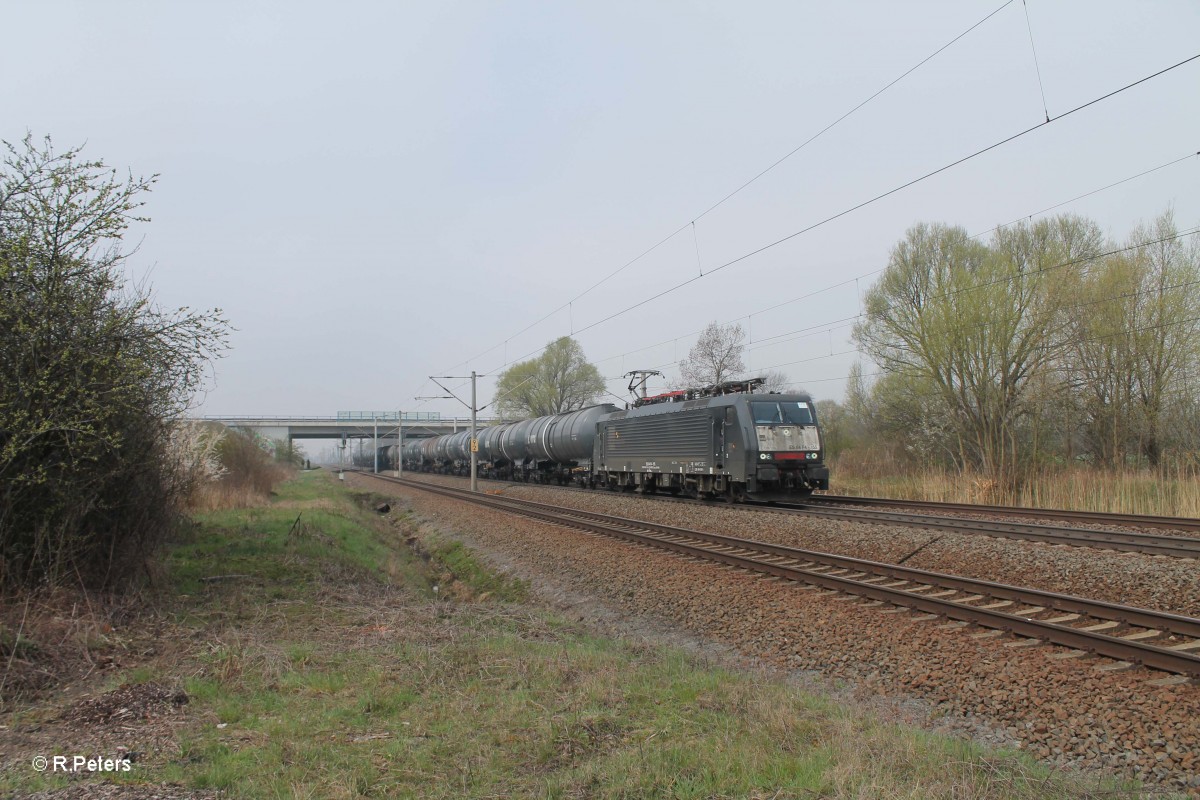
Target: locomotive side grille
x=679, y=436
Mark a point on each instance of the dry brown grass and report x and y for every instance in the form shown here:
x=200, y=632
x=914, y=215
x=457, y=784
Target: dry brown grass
x=220, y=495
x=250, y=476
x=1169, y=492
x=54, y=636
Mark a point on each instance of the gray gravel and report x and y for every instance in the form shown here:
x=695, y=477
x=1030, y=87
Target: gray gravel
x=1162, y=583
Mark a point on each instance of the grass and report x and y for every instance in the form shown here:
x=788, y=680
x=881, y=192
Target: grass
x=332, y=670
x=1165, y=492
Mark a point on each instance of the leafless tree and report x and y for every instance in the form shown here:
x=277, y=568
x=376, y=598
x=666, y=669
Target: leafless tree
x=776, y=381
x=716, y=356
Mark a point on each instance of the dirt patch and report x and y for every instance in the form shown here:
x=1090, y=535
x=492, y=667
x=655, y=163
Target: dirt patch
x=55, y=641
x=129, y=702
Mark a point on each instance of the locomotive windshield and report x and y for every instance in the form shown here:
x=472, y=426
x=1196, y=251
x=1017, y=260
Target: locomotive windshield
x=786, y=413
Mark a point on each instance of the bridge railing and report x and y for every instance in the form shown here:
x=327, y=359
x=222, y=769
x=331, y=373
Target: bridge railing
x=424, y=417
x=383, y=416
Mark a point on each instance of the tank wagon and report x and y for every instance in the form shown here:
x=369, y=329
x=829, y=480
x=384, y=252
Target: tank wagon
x=718, y=442
x=553, y=449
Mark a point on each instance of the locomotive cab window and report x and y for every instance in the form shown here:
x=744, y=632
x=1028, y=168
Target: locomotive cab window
x=766, y=413
x=787, y=413
x=796, y=413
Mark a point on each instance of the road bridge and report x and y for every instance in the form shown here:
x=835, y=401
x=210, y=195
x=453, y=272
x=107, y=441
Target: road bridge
x=352, y=425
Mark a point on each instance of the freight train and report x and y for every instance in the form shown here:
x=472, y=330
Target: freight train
x=722, y=441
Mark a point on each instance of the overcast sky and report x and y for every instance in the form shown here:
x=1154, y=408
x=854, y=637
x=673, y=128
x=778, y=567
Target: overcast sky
x=379, y=192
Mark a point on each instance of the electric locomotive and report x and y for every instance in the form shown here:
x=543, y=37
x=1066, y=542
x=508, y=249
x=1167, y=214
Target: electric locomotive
x=723, y=441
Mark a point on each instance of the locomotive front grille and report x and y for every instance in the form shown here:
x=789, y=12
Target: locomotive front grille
x=787, y=438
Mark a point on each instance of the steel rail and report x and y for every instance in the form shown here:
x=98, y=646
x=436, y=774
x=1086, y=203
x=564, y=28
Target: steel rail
x=1125, y=541
x=1137, y=520
x=1121, y=541
x=804, y=562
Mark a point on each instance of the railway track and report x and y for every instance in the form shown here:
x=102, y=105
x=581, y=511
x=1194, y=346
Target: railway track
x=1128, y=635
x=1123, y=541
x=1092, y=517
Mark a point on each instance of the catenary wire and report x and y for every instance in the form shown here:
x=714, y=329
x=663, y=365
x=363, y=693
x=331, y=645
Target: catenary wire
x=825, y=327
x=870, y=201
x=807, y=295
x=714, y=206
x=888, y=193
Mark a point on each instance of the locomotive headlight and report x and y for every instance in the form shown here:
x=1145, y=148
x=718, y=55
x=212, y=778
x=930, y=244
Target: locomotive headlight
x=764, y=456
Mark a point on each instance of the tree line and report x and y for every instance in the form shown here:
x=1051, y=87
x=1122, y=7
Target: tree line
x=1046, y=344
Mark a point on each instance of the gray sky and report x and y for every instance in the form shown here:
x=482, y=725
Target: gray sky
x=377, y=192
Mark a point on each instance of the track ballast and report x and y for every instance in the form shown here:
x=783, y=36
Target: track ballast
x=1122, y=633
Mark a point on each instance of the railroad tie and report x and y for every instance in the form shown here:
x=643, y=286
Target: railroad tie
x=987, y=634
x=1102, y=626
x=1172, y=680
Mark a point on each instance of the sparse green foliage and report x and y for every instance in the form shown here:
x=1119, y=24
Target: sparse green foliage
x=288, y=453
x=1135, y=325
x=91, y=375
x=975, y=324
x=1042, y=347
x=560, y=379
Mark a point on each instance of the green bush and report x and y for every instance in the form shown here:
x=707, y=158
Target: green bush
x=91, y=377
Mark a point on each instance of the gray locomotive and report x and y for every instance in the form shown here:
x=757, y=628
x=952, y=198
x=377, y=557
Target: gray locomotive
x=719, y=442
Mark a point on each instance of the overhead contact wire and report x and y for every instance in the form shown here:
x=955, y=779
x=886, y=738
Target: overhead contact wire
x=899, y=188
x=881, y=196
x=729, y=196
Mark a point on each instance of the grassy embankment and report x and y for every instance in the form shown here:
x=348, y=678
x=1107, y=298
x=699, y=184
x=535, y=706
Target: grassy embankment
x=1166, y=492
x=333, y=669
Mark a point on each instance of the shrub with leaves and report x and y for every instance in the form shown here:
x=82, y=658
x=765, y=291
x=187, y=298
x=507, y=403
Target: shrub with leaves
x=92, y=376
